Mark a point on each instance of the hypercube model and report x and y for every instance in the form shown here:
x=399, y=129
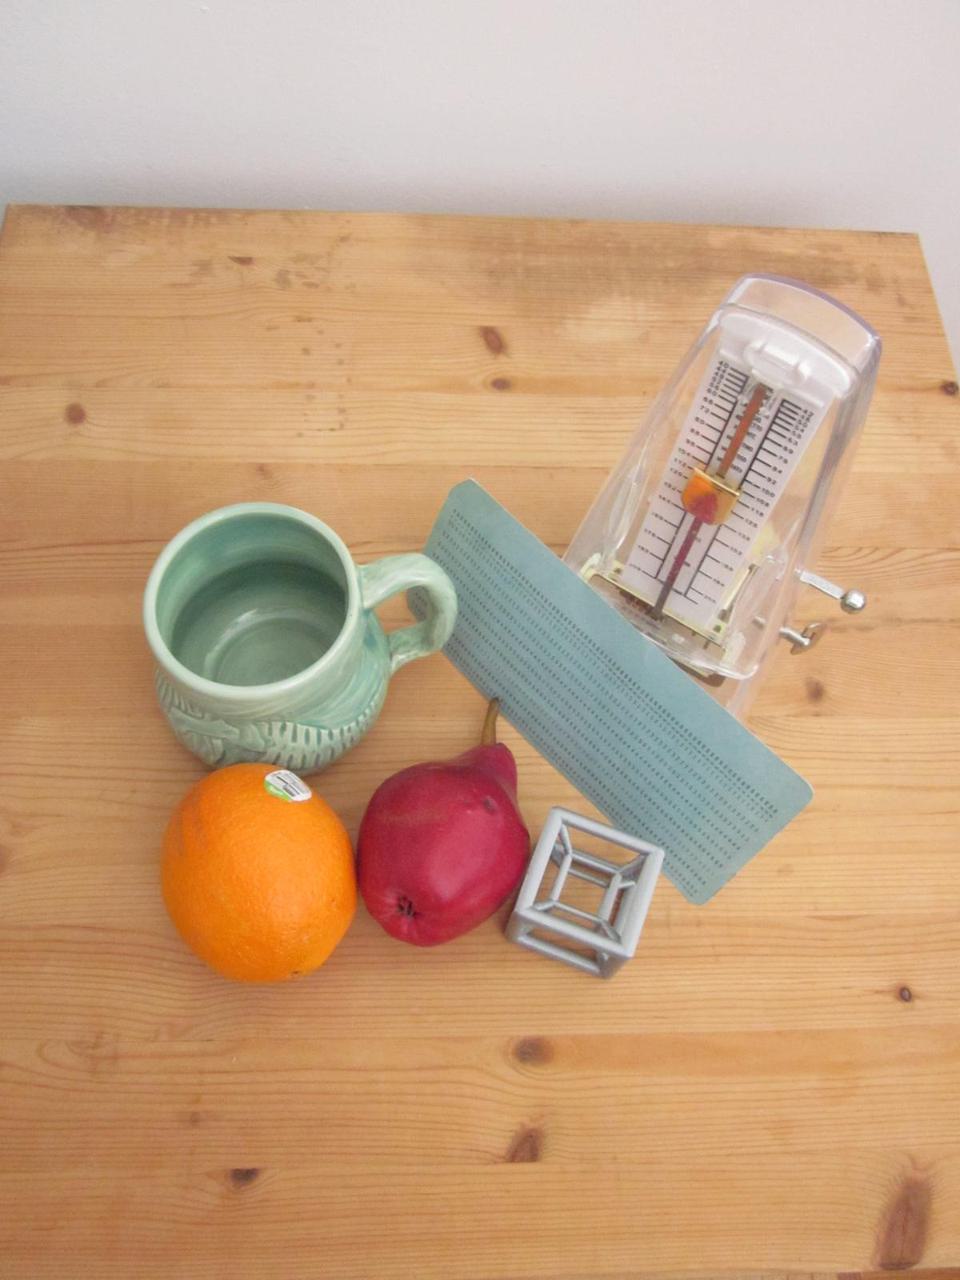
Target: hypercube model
x=599, y=941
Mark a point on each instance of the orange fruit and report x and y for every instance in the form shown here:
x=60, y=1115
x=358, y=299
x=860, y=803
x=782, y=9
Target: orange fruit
x=261, y=886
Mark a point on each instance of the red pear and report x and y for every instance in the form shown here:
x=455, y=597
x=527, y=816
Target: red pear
x=443, y=845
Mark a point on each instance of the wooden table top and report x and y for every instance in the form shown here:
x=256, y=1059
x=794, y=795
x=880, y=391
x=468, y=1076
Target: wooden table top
x=771, y=1085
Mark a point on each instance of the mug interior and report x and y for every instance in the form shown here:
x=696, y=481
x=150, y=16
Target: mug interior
x=252, y=599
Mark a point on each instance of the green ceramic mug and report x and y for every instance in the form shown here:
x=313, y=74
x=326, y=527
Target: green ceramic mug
x=266, y=640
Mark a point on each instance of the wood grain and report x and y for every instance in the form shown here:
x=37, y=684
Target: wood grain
x=769, y=1089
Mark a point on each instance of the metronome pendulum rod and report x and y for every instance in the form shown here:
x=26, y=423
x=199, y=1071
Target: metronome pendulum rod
x=710, y=498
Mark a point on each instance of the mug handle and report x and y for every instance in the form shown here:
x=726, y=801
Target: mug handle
x=386, y=577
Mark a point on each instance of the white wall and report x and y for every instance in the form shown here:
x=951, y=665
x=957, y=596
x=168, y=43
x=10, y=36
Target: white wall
x=819, y=112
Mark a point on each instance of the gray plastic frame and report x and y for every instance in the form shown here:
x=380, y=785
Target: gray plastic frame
x=613, y=931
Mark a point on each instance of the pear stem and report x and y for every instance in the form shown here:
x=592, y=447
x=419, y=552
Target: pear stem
x=488, y=737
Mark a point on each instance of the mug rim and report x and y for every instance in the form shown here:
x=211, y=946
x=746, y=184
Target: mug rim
x=245, y=693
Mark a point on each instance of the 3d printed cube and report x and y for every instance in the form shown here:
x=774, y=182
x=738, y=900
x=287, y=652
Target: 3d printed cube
x=605, y=938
